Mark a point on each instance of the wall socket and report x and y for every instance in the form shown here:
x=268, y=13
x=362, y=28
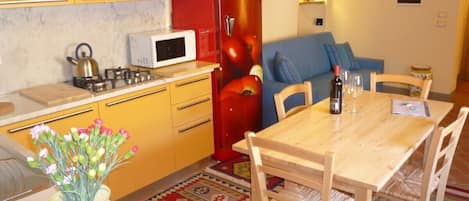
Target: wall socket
x=319, y=21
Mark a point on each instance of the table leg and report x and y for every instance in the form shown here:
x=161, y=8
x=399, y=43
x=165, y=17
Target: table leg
x=363, y=194
x=428, y=142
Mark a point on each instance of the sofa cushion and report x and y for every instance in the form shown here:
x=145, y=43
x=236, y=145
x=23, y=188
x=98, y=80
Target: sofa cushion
x=353, y=61
x=285, y=70
x=342, y=55
x=306, y=52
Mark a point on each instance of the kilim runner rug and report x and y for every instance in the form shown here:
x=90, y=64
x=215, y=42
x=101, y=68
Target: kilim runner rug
x=204, y=187
x=238, y=170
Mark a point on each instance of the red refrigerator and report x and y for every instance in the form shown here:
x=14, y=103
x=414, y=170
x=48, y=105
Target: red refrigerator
x=228, y=32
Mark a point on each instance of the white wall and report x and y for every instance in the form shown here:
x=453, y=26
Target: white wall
x=307, y=14
x=35, y=41
x=402, y=35
x=279, y=19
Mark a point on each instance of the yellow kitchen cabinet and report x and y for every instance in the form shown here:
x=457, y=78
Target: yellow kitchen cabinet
x=194, y=141
x=191, y=107
x=146, y=115
x=32, y=3
x=61, y=122
x=36, y=3
x=97, y=1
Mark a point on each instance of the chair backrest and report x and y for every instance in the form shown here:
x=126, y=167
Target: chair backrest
x=322, y=180
x=403, y=79
x=434, y=168
x=288, y=91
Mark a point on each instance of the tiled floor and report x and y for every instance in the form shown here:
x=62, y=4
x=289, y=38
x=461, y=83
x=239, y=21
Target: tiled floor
x=459, y=175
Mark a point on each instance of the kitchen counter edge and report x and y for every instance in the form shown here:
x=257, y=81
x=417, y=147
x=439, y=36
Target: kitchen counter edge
x=37, y=110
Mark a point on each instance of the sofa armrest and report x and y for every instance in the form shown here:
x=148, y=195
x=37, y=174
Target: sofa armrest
x=269, y=88
x=371, y=64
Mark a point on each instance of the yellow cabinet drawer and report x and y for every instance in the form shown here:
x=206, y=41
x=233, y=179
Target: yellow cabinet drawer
x=194, y=141
x=60, y=122
x=192, y=110
x=190, y=88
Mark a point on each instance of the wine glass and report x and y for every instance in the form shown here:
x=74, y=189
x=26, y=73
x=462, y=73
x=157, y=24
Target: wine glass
x=356, y=89
x=345, y=77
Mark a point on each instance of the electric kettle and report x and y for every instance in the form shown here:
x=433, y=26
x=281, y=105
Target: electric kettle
x=86, y=66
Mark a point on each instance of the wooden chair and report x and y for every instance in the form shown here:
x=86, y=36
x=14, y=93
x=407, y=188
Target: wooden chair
x=412, y=182
x=403, y=79
x=321, y=180
x=288, y=91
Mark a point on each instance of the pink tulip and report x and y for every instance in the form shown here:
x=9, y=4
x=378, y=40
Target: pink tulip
x=98, y=122
x=134, y=149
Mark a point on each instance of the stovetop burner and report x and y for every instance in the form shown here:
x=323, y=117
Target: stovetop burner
x=114, y=78
x=96, y=84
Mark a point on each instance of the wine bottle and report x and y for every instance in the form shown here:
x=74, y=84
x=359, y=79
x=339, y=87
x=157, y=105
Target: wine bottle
x=336, y=92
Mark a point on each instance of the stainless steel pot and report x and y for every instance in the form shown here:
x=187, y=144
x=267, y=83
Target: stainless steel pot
x=86, y=66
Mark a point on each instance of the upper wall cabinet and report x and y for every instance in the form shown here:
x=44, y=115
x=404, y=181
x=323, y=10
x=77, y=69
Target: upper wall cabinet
x=310, y=1
x=35, y=3
x=32, y=3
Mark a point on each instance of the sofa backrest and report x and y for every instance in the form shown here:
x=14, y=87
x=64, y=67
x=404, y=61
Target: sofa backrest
x=306, y=52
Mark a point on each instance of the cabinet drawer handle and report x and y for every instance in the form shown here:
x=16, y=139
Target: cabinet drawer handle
x=135, y=97
x=50, y=120
x=193, y=104
x=194, y=126
x=192, y=81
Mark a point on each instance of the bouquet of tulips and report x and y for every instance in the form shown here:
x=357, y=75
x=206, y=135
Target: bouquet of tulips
x=79, y=161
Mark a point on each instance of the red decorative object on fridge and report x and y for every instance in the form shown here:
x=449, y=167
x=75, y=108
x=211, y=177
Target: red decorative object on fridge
x=228, y=32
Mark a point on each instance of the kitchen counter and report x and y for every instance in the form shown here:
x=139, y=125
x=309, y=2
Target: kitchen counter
x=26, y=108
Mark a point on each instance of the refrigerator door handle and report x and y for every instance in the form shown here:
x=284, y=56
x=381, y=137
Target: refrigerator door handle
x=229, y=25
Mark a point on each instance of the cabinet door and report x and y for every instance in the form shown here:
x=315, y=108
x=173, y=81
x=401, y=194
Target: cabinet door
x=61, y=122
x=32, y=3
x=146, y=116
x=194, y=141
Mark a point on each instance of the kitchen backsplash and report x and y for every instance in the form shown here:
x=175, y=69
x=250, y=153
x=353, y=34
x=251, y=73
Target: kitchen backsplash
x=35, y=41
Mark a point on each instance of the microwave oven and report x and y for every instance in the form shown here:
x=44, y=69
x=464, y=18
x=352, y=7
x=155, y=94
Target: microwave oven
x=160, y=48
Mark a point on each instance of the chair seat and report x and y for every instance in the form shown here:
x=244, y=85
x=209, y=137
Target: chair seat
x=406, y=183
x=304, y=193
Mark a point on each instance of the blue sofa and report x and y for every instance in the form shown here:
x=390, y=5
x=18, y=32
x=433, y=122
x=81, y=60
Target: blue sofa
x=309, y=55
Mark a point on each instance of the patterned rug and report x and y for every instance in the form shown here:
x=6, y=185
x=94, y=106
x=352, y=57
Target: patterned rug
x=238, y=170
x=456, y=194
x=204, y=187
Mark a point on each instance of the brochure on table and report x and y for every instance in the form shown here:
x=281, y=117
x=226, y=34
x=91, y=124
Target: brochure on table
x=410, y=107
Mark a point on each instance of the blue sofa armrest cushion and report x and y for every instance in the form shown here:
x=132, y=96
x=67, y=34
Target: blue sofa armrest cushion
x=342, y=55
x=376, y=65
x=285, y=70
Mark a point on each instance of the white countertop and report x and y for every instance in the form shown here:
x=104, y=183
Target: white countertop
x=26, y=108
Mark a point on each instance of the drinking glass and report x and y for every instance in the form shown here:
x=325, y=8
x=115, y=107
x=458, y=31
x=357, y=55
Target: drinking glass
x=356, y=89
x=346, y=83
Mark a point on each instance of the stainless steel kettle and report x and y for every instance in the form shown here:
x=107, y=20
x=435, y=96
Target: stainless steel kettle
x=87, y=67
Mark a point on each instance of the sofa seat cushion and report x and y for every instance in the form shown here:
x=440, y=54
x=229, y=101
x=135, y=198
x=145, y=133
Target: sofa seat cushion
x=321, y=86
x=285, y=70
x=342, y=55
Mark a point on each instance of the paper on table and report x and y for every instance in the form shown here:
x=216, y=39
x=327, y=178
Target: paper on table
x=410, y=107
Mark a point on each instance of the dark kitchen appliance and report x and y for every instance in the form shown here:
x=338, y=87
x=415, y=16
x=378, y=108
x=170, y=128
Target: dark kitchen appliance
x=228, y=32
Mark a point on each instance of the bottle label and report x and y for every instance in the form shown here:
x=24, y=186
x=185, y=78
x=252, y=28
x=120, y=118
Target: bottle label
x=335, y=107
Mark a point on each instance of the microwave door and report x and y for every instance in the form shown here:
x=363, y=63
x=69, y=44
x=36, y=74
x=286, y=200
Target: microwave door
x=170, y=49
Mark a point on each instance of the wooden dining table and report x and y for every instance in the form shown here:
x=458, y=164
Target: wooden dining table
x=370, y=145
